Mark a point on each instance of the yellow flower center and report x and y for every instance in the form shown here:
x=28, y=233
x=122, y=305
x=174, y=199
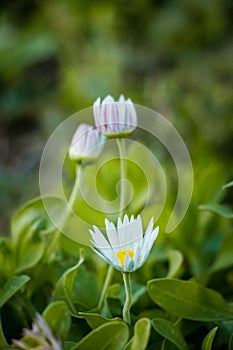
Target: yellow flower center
x=121, y=255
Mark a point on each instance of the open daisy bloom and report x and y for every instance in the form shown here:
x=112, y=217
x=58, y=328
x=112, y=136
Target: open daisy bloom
x=115, y=118
x=126, y=248
x=86, y=145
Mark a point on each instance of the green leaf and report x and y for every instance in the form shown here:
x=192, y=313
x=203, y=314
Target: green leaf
x=30, y=213
x=68, y=345
x=3, y=342
x=227, y=185
x=12, y=286
x=96, y=320
x=224, y=258
x=175, y=259
x=116, y=290
x=6, y=258
x=79, y=288
x=31, y=249
x=57, y=315
x=141, y=335
x=29, y=226
x=230, y=344
x=169, y=332
x=189, y=300
x=207, y=342
x=219, y=209
x=112, y=335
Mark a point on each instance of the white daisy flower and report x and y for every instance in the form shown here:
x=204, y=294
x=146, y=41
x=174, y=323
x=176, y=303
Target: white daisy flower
x=115, y=118
x=86, y=144
x=125, y=248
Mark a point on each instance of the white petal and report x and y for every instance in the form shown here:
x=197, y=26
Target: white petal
x=150, y=225
x=112, y=234
x=126, y=220
x=148, y=241
x=99, y=239
x=122, y=98
x=129, y=263
x=108, y=259
x=96, y=109
x=137, y=258
x=124, y=234
x=108, y=99
x=132, y=218
x=119, y=223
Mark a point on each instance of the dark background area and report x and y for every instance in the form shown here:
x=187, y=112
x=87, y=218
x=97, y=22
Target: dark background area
x=57, y=57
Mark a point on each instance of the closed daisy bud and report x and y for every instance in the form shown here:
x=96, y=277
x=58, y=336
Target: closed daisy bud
x=86, y=144
x=126, y=248
x=115, y=118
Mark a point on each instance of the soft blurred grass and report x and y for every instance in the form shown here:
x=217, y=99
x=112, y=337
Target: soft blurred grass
x=57, y=57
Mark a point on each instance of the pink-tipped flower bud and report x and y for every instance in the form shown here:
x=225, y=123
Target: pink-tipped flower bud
x=115, y=118
x=86, y=145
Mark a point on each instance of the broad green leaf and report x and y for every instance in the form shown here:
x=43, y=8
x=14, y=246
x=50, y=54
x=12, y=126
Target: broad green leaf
x=31, y=249
x=141, y=335
x=207, y=342
x=117, y=290
x=230, y=344
x=112, y=335
x=224, y=257
x=96, y=320
x=169, y=332
x=114, y=306
x=68, y=345
x=6, y=258
x=189, y=300
x=30, y=213
x=175, y=259
x=79, y=288
x=3, y=342
x=57, y=315
x=12, y=286
x=29, y=226
x=229, y=184
x=219, y=209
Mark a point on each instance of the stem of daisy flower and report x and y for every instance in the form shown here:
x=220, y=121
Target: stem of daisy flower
x=70, y=206
x=122, y=153
x=128, y=299
x=121, y=148
x=107, y=282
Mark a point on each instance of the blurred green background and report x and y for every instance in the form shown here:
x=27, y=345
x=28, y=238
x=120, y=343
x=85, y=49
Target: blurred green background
x=57, y=57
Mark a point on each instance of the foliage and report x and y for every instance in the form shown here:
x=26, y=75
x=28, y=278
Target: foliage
x=57, y=57
x=175, y=56
x=186, y=302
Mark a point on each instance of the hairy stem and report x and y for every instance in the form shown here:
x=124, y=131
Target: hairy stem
x=107, y=282
x=71, y=202
x=122, y=153
x=128, y=299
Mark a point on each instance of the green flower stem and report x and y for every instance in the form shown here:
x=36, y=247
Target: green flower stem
x=70, y=206
x=107, y=282
x=122, y=153
x=81, y=256
x=128, y=299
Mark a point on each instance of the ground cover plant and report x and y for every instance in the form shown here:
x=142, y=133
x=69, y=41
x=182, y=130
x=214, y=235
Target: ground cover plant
x=175, y=57
x=176, y=290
